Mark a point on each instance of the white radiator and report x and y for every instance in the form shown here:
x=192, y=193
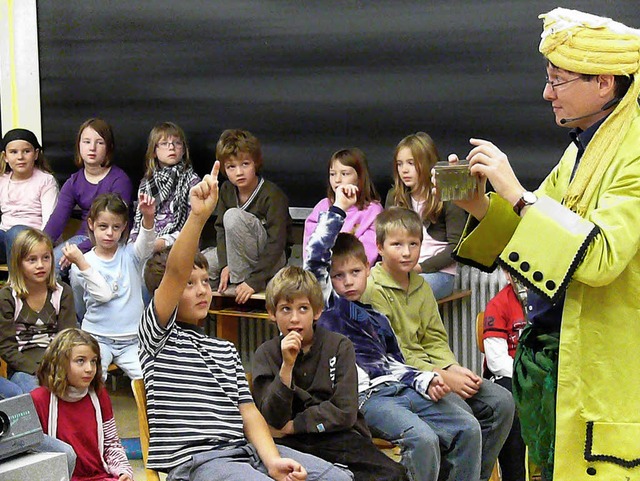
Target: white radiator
x=459, y=319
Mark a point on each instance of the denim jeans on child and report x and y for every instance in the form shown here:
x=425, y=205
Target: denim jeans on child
x=53, y=445
x=434, y=437
x=57, y=252
x=9, y=389
x=7, y=238
x=441, y=283
x=27, y=382
x=494, y=408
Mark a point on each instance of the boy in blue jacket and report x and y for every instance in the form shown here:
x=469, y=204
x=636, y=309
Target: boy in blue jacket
x=408, y=407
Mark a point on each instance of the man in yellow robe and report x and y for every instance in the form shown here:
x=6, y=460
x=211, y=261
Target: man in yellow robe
x=575, y=244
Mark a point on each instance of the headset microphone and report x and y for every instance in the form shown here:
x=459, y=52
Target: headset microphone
x=606, y=106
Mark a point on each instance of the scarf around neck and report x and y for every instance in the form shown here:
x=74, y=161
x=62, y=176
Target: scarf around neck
x=169, y=184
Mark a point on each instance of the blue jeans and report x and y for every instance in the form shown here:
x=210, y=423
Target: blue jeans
x=494, y=408
x=123, y=354
x=438, y=440
x=27, y=382
x=244, y=463
x=9, y=389
x=441, y=283
x=7, y=238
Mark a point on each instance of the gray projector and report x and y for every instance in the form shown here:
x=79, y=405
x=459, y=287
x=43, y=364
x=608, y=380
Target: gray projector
x=19, y=426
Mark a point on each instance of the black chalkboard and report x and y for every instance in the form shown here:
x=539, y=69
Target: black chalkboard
x=307, y=78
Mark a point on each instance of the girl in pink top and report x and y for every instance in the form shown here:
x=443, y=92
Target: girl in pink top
x=349, y=166
x=28, y=191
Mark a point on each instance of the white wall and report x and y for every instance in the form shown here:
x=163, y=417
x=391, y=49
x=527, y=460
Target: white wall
x=19, y=69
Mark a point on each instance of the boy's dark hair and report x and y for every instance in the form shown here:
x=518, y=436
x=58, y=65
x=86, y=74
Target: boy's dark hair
x=157, y=264
x=396, y=218
x=235, y=141
x=348, y=245
x=291, y=282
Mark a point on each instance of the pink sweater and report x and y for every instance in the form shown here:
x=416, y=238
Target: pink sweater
x=358, y=222
x=27, y=202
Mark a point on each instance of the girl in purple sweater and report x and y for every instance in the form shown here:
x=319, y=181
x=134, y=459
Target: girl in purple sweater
x=349, y=166
x=96, y=175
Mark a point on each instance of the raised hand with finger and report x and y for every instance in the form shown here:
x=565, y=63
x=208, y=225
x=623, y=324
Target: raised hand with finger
x=147, y=206
x=204, y=195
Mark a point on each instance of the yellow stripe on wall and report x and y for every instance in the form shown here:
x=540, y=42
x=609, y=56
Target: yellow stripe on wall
x=12, y=66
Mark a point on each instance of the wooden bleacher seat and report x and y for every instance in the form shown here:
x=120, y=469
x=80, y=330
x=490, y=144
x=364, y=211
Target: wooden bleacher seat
x=137, y=386
x=455, y=295
x=3, y=368
x=227, y=312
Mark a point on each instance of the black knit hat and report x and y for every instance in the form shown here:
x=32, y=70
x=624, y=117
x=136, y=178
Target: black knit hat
x=20, y=134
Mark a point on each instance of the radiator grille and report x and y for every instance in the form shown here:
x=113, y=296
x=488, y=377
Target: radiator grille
x=459, y=318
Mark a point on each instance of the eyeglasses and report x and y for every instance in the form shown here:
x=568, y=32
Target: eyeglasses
x=165, y=145
x=554, y=85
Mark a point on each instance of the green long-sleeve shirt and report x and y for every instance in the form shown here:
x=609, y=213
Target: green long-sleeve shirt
x=414, y=317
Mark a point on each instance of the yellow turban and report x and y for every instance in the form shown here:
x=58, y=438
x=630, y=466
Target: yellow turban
x=583, y=43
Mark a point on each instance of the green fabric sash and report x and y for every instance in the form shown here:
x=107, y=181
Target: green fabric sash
x=535, y=377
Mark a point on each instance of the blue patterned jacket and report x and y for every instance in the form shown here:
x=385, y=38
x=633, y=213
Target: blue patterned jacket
x=377, y=350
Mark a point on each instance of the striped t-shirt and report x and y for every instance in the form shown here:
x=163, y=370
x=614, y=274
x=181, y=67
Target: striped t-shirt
x=194, y=386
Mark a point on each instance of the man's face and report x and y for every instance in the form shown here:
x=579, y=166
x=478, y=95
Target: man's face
x=572, y=97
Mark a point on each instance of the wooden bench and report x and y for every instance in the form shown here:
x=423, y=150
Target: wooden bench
x=227, y=312
x=455, y=295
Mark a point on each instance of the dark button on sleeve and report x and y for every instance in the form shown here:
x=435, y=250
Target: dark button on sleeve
x=525, y=266
x=513, y=257
x=537, y=276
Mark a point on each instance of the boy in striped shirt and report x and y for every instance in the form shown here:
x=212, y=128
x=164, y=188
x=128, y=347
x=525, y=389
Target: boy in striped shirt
x=198, y=401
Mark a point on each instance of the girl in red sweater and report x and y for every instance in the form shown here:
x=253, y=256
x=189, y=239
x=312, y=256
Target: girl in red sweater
x=74, y=406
